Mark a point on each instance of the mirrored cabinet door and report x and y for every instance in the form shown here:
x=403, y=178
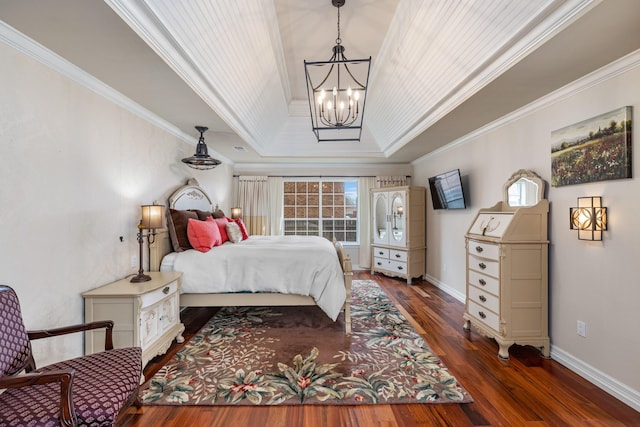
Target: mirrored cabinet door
x=398, y=218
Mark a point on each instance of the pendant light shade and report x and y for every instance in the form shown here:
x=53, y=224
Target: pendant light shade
x=201, y=160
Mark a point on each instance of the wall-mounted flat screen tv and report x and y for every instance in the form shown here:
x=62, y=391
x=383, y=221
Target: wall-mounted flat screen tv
x=446, y=190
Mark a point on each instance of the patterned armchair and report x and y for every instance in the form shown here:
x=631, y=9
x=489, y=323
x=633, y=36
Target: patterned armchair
x=87, y=391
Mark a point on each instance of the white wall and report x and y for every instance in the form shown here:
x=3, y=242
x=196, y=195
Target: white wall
x=75, y=169
x=596, y=282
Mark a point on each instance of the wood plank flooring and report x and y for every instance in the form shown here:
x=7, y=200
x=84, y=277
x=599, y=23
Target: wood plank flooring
x=527, y=390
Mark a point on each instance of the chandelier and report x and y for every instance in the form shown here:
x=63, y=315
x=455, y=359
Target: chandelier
x=337, y=91
x=201, y=160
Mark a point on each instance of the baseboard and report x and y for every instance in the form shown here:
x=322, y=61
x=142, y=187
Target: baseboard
x=448, y=289
x=598, y=378
x=612, y=386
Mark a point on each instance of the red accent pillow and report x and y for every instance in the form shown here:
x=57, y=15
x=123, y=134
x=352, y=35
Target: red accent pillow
x=245, y=235
x=203, y=235
x=222, y=226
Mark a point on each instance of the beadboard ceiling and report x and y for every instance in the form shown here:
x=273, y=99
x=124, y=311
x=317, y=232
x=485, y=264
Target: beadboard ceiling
x=440, y=68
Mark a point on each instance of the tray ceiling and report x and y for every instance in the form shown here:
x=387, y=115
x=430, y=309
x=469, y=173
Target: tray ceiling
x=237, y=66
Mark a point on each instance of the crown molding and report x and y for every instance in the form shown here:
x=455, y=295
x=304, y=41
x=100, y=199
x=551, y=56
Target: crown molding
x=601, y=75
x=27, y=46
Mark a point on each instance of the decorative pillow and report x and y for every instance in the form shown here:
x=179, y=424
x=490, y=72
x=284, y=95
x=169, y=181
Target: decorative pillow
x=202, y=215
x=203, y=235
x=222, y=225
x=178, y=229
x=243, y=229
x=218, y=214
x=234, y=233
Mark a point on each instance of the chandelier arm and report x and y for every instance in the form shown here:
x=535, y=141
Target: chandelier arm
x=354, y=79
x=322, y=82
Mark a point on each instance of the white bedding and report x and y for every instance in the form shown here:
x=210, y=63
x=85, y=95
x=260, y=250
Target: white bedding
x=302, y=265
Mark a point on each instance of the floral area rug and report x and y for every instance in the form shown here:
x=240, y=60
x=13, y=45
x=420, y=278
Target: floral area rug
x=297, y=355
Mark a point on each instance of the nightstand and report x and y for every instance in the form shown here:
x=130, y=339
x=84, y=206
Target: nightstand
x=145, y=315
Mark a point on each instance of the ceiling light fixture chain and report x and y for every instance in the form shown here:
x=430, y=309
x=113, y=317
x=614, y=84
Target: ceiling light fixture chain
x=336, y=103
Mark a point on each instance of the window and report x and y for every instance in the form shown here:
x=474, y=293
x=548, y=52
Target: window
x=327, y=208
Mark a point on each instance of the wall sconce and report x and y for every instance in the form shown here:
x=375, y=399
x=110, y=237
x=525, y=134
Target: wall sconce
x=152, y=219
x=589, y=218
x=236, y=213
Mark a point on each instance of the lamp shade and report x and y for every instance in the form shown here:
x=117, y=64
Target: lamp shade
x=236, y=213
x=152, y=217
x=589, y=218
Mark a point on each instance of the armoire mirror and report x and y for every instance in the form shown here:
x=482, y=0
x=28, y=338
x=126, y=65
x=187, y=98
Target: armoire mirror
x=397, y=216
x=523, y=188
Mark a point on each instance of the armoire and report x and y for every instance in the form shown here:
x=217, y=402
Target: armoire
x=398, y=235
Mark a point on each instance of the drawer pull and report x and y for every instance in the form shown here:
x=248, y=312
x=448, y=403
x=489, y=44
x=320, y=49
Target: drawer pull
x=482, y=265
x=400, y=267
x=379, y=263
x=479, y=249
x=165, y=290
x=380, y=253
x=482, y=315
x=398, y=256
x=483, y=298
x=482, y=282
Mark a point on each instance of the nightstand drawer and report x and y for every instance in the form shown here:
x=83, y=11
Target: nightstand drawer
x=159, y=294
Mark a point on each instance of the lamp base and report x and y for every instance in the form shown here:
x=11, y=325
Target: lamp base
x=140, y=278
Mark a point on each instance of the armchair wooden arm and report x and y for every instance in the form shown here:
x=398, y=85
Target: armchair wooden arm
x=62, y=376
x=94, y=389
x=47, y=333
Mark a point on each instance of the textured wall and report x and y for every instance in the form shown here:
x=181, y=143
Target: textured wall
x=75, y=169
x=596, y=282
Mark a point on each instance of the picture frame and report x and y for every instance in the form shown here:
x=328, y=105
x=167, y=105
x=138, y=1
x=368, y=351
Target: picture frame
x=595, y=149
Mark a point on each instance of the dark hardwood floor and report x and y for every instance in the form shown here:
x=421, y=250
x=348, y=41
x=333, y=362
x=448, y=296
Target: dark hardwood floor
x=527, y=390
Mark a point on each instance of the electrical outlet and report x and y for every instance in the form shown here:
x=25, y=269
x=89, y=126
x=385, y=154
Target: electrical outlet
x=134, y=261
x=581, y=328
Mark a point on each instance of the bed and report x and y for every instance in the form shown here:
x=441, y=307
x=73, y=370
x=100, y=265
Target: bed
x=258, y=271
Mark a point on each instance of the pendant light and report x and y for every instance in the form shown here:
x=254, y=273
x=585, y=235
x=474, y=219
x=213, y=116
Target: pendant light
x=337, y=91
x=201, y=160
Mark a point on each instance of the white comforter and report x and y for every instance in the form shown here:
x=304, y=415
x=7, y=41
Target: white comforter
x=303, y=265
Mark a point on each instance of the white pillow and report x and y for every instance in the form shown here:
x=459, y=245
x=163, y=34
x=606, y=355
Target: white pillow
x=234, y=232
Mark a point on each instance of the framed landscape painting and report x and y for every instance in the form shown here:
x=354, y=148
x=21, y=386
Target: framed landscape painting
x=596, y=149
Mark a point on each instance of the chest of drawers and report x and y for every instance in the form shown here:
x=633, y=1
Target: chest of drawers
x=507, y=293
x=145, y=315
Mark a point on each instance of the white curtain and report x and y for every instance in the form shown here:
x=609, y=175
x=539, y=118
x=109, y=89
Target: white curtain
x=253, y=198
x=276, y=194
x=364, y=213
x=391, y=181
